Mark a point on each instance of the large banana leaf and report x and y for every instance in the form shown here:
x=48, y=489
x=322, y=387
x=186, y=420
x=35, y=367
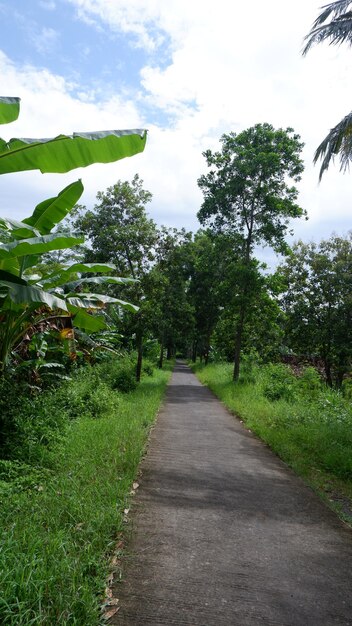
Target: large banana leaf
x=50, y=212
x=66, y=152
x=9, y=109
x=88, y=322
x=101, y=280
x=38, y=245
x=57, y=278
x=96, y=301
x=20, y=293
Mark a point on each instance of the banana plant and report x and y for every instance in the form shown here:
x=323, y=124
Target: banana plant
x=27, y=298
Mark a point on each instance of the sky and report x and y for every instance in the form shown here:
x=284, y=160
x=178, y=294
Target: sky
x=186, y=70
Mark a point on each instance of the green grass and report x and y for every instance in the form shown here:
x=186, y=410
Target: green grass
x=306, y=424
x=60, y=525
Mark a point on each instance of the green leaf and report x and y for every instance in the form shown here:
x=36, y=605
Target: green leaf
x=66, y=152
x=88, y=322
x=18, y=230
x=26, y=294
x=9, y=109
x=100, y=280
x=97, y=301
x=90, y=267
x=38, y=245
x=10, y=265
x=9, y=277
x=63, y=276
x=50, y=212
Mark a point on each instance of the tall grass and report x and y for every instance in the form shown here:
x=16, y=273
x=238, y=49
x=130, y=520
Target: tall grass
x=308, y=425
x=59, y=528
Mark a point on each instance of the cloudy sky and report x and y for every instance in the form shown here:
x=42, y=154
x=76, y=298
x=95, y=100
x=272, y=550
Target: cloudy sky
x=188, y=71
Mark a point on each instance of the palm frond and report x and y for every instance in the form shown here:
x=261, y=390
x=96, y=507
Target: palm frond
x=338, y=141
x=337, y=31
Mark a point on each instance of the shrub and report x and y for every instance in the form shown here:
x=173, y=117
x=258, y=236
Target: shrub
x=124, y=379
x=278, y=382
x=309, y=381
x=148, y=368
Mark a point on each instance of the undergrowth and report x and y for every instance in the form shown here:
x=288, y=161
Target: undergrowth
x=307, y=424
x=64, y=486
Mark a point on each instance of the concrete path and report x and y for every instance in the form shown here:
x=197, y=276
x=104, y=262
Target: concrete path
x=224, y=532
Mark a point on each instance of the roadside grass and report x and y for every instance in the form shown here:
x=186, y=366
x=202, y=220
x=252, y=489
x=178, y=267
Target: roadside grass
x=62, y=510
x=306, y=424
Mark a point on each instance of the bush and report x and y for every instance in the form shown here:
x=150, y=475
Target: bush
x=148, y=368
x=124, y=379
x=278, y=382
x=347, y=388
x=309, y=382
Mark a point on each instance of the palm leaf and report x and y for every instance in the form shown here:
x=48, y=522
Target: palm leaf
x=66, y=152
x=337, y=31
x=338, y=141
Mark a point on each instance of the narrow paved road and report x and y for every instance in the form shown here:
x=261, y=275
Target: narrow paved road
x=224, y=533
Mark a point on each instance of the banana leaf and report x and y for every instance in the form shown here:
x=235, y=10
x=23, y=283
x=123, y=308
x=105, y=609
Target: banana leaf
x=27, y=294
x=96, y=301
x=52, y=211
x=9, y=109
x=88, y=322
x=18, y=230
x=38, y=245
x=66, y=152
x=101, y=280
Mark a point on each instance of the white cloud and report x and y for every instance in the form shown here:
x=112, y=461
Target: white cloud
x=45, y=40
x=231, y=65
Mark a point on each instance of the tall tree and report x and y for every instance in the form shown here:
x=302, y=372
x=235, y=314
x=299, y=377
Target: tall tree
x=247, y=195
x=120, y=232
x=334, y=25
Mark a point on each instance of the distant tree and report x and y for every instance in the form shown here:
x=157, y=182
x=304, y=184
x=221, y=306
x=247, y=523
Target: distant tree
x=209, y=263
x=334, y=25
x=119, y=231
x=318, y=303
x=171, y=310
x=247, y=195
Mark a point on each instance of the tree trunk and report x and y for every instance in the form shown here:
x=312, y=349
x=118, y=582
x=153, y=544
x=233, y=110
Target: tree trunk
x=139, y=342
x=238, y=343
x=194, y=351
x=161, y=357
x=328, y=375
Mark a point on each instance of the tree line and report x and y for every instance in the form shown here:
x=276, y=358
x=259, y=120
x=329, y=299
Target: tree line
x=207, y=294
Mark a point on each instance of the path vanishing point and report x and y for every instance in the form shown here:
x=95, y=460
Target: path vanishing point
x=224, y=533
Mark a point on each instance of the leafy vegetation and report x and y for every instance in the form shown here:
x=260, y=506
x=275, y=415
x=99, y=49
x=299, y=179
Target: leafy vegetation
x=247, y=196
x=63, y=497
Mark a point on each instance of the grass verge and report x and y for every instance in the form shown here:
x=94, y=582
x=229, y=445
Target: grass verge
x=307, y=425
x=59, y=528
